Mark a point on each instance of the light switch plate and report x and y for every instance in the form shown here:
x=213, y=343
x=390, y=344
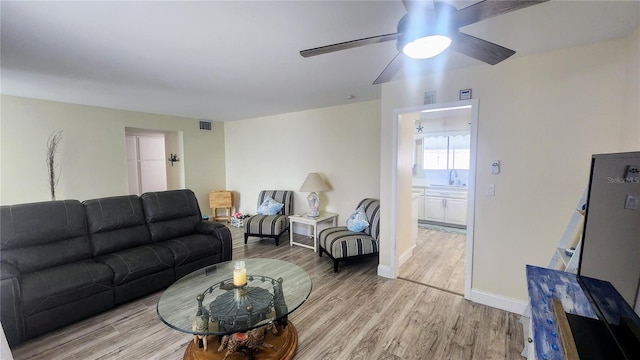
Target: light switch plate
x=490, y=190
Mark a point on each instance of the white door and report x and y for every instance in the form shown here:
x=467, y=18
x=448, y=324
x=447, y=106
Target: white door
x=147, y=166
x=132, y=165
x=153, y=169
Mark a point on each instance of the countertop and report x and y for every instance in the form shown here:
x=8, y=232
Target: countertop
x=424, y=183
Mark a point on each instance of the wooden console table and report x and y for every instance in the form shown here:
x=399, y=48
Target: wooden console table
x=558, y=334
x=544, y=285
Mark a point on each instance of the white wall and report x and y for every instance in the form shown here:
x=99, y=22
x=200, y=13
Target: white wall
x=542, y=116
x=92, y=153
x=277, y=152
x=406, y=146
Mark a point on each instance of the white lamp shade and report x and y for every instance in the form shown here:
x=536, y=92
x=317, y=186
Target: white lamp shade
x=314, y=183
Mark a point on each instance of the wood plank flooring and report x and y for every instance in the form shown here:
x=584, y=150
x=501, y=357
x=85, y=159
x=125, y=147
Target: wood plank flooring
x=437, y=261
x=354, y=314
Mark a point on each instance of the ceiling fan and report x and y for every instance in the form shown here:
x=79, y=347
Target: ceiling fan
x=430, y=27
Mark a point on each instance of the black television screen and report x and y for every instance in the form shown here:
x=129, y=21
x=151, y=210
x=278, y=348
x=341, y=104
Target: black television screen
x=611, y=246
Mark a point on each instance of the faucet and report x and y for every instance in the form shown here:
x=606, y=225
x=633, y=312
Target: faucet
x=451, y=179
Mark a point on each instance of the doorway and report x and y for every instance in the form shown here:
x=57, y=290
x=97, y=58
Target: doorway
x=148, y=152
x=145, y=161
x=404, y=247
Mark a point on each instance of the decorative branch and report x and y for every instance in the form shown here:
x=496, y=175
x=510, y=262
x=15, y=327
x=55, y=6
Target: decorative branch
x=52, y=148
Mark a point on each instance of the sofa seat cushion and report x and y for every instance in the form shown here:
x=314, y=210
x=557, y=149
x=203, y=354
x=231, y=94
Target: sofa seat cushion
x=187, y=249
x=339, y=242
x=60, y=285
x=138, y=262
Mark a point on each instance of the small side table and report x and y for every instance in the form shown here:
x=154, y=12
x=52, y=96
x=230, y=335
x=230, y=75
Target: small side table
x=305, y=219
x=221, y=199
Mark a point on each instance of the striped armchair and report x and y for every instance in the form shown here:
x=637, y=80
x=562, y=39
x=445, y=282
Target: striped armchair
x=340, y=244
x=270, y=226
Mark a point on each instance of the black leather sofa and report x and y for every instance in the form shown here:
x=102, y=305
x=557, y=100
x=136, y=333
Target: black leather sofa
x=63, y=261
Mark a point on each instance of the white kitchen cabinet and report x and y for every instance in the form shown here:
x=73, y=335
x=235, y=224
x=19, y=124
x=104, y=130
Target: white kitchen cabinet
x=420, y=193
x=434, y=208
x=446, y=205
x=415, y=202
x=455, y=211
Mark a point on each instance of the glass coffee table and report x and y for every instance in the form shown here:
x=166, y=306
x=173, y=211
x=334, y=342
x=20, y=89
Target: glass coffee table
x=237, y=321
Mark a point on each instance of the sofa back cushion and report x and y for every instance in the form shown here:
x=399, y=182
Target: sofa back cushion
x=170, y=214
x=41, y=235
x=116, y=223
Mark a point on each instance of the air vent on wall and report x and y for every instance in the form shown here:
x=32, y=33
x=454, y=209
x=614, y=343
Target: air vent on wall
x=205, y=125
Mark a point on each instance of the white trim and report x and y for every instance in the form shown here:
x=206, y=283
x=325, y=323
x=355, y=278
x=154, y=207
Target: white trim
x=386, y=271
x=394, y=267
x=405, y=256
x=509, y=304
x=471, y=200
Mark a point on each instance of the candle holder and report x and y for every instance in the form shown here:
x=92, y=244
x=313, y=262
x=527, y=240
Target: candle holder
x=239, y=274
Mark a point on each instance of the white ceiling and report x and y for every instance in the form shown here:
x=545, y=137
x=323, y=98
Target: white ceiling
x=227, y=60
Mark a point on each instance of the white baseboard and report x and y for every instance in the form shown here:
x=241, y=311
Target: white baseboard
x=406, y=256
x=509, y=304
x=386, y=271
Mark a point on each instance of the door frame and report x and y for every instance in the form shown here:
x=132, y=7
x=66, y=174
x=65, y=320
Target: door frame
x=394, y=263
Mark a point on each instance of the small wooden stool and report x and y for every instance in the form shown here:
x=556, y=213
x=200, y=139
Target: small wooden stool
x=221, y=199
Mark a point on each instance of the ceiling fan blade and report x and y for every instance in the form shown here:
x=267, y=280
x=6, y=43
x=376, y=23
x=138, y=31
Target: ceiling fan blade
x=489, y=8
x=482, y=50
x=390, y=71
x=348, y=44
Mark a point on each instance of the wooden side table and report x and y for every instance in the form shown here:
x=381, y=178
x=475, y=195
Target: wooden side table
x=305, y=219
x=221, y=199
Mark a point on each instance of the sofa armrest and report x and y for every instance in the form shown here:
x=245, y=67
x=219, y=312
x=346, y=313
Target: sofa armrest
x=207, y=227
x=11, y=311
x=220, y=232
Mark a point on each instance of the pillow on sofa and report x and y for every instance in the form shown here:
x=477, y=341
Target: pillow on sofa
x=358, y=220
x=269, y=207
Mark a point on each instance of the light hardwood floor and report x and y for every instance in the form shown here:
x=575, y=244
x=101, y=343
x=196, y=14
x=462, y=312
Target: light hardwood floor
x=354, y=314
x=437, y=261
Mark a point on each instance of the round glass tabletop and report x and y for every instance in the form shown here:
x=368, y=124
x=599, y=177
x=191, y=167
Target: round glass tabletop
x=206, y=302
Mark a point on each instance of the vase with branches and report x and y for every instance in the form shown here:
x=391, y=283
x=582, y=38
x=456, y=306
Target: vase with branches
x=52, y=148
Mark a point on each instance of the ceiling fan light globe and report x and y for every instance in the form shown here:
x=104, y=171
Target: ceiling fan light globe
x=426, y=47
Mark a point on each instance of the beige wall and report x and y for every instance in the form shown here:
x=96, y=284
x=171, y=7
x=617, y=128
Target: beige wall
x=542, y=116
x=630, y=132
x=277, y=152
x=92, y=154
x=406, y=146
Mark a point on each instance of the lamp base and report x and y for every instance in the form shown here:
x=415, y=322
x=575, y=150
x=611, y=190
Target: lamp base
x=314, y=205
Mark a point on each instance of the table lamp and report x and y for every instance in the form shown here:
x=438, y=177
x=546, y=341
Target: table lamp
x=314, y=183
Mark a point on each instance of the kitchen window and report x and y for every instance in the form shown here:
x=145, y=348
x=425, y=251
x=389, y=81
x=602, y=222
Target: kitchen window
x=446, y=152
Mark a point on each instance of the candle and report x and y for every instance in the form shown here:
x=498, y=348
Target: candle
x=239, y=274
